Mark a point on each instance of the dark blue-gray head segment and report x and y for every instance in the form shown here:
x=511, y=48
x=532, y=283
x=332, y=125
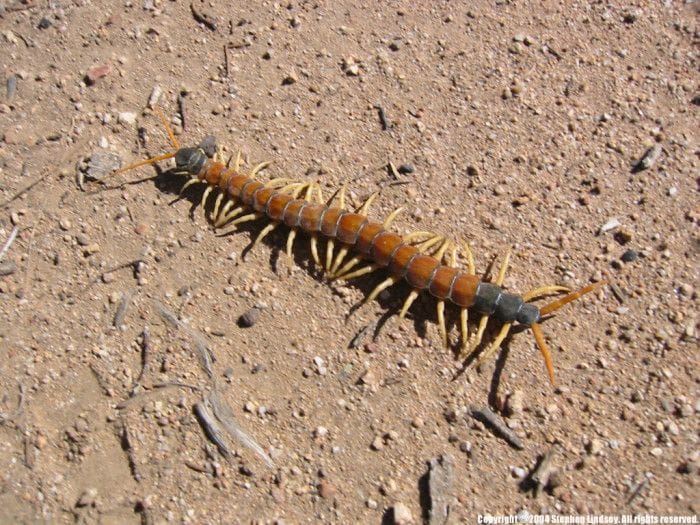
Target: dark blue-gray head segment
x=190, y=160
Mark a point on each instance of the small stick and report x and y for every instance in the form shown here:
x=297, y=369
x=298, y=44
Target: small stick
x=129, y=449
x=4, y=418
x=636, y=491
x=120, y=314
x=200, y=343
x=8, y=242
x=21, y=192
x=224, y=414
x=489, y=418
x=226, y=70
x=203, y=18
x=145, y=354
x=382, y=117
x=181, y=108
x=211, y=427
x=29, y=451
x=361, y=335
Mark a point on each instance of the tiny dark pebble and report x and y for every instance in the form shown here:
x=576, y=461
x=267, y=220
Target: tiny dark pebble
x=406, y=168
x=45, y=23
x=249, y=318
x=629, y=256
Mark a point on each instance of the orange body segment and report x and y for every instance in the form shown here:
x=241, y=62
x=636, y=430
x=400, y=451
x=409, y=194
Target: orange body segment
x=213, y=173
x=235, y=184
x=248, y=190
x=276, y=205
x=420, y=270
x=399, y=261
x=330, y=221
x=311, y=217
x=464, y=290
x=441, y=282
x=291, y=212
x=383, y=246
x=349, y=226
x=364, y=240
x=260, y=199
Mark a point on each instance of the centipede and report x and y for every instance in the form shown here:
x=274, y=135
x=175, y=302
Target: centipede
x=356, y=245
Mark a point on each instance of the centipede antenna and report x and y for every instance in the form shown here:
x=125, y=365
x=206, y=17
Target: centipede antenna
x=168, y=130
x=542, y=345
x=556, y=305
x=144, y=162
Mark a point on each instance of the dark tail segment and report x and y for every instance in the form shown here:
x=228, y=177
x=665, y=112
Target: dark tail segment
x=553, y=307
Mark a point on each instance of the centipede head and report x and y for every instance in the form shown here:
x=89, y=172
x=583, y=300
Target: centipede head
x=553, y=307
x=187, y=160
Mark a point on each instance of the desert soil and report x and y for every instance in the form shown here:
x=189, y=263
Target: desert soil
x=515, y=124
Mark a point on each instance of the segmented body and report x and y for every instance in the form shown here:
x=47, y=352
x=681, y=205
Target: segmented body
x=425, y=266
x=386, y=249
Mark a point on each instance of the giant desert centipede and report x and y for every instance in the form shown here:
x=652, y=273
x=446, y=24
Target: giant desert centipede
x=426, y=261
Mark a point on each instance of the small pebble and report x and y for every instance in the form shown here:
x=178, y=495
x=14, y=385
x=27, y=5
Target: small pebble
x=249, y=318
x=608, y=226
x=326, y=489
x=45, y=23
x=87, y=498
x=402, y=514
x=7, y=268
x=629, y=256
x=97, y=72
x=405, y=169
x=127, y=118
x=377, y=443
x=156, y=92
x=595, y=446
x=518, y=472
x=514, y=405
x=648, y=159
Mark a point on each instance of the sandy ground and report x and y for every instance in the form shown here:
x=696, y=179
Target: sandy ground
x=522, y=121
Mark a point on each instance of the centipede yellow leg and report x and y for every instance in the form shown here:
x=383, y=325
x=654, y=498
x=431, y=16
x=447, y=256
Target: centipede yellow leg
x=207, y=192
x=245, y=218
x=441, y=321
x=187, y=184
x=380, y=288
x=217, y=204
x=408, y=302
x=264, y=232
x=257, y=169
x=360, y=272
x=495, y=344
